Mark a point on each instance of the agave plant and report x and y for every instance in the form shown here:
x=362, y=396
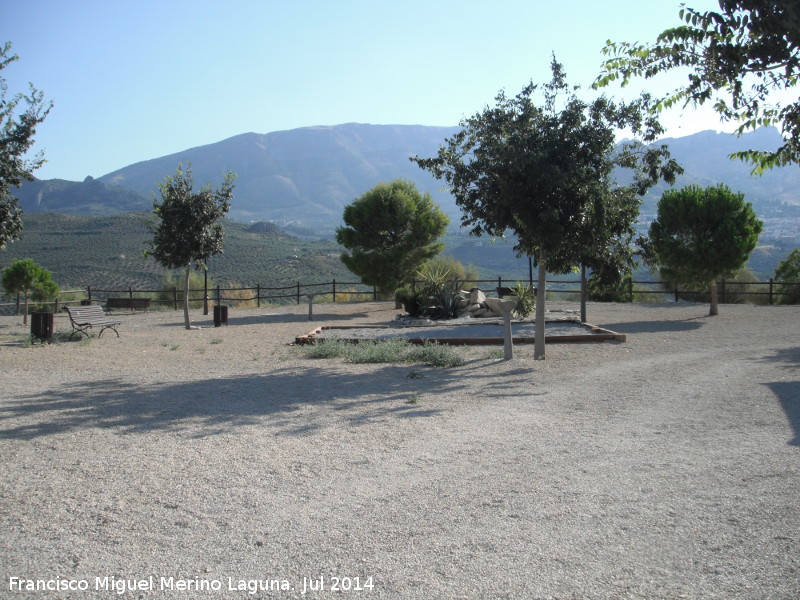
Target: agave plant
x=525, y=297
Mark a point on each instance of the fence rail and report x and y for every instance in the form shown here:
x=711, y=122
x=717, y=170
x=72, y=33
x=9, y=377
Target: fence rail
x=766, y=290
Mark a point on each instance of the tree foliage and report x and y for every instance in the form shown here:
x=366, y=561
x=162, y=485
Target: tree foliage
x=26, y=277
x=546, y=173
x=737, y=58
x=389, y=232
x=16, y=138
x=788, y=274
x=188, y=230
x=700, y=235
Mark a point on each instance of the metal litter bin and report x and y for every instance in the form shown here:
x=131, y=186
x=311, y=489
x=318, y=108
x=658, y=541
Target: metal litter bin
x=220, y=315
x=42, y=325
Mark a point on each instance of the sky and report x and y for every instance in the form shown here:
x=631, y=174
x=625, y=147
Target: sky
x=132, y=80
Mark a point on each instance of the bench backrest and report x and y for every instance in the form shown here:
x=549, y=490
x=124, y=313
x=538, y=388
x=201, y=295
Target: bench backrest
x=85, y=314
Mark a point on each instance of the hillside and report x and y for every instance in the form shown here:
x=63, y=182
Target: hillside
x=108, y=252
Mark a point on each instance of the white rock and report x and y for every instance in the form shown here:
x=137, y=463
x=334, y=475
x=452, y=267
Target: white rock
x=476, y=296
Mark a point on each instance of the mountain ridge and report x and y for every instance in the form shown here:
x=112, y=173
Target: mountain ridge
x=306, y=176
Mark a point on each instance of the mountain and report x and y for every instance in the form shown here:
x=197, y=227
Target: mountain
x=304, y=177
x=705, y=159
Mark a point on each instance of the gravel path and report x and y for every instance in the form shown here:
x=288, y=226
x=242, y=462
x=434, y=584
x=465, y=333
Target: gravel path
x=664, y=467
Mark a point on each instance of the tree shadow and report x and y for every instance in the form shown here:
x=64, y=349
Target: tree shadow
x=655, y=326
x=787, y=392
x=207, y=321
x=281, y=402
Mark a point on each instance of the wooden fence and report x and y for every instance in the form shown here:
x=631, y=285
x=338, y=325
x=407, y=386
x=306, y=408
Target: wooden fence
x=653, y=291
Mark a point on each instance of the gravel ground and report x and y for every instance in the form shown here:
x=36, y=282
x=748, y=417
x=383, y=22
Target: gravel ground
x=664, y=467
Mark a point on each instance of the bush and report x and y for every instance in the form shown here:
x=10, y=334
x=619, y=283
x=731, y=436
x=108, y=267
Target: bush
x=385, y=351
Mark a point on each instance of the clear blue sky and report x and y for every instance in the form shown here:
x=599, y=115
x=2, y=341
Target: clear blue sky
x=137, y=79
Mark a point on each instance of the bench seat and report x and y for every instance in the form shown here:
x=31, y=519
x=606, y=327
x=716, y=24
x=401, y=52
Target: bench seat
x=84, y=318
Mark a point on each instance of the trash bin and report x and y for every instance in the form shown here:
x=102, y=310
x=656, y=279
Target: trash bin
x=220, y=315
x=42, y=325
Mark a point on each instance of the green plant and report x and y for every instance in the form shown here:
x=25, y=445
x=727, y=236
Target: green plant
x=788, y=274
x=329, y=348
x=435, y=355
x=413, y=399
x=389, y=231
x=385, y=351
x=28, y=278
x=414, y=301
x=525, y=297
x=377, y=351
x=448, y=301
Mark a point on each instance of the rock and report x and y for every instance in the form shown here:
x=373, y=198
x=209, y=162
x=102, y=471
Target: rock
x=476, y=296
x=474, y=307
x=493, y=304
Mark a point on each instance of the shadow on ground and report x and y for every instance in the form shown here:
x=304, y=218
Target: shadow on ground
x=283, y=402
x=655, y=326
x=787, y=392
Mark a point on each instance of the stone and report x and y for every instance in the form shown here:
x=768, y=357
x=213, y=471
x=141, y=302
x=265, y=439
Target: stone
x=474, y=307
x=476, y=296
x=493, y=304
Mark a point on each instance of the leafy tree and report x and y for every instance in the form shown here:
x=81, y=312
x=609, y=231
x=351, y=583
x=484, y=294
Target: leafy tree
x=546, y=174
x=16, y=137
x=737, y=58
x=700, y=235
x=188, y=229
x=390, y=231
x=788, y=274
x=24, y=276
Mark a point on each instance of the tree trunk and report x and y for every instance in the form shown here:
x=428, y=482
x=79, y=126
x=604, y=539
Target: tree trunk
x=538, y=345
x=584, y=291
x=186, y=318
x=25, y=316
x=714, y=302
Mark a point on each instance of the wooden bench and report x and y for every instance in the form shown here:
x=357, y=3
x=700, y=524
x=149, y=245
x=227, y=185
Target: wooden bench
x=87, y=317
x=131, y=303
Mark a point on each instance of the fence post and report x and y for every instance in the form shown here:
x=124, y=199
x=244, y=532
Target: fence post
x=17, y=304
x=374, y=293
x=334, y=291
x=175, y=296
x=219, y=296
x=770, y=290
x=55, y=308
x=722, y=292
x=258, y=295
x=676, y=293
x=298, y=292
x=630, y=290
x=89, y=293
x=130, y=292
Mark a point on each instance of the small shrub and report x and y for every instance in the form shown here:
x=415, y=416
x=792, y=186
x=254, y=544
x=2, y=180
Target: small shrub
x=435, y=355
x=386, y=351
x=377, y=351
x=332, y=348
